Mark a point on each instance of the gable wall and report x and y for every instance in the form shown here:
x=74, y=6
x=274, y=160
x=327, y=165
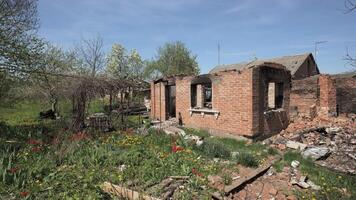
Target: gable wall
x=306, y=69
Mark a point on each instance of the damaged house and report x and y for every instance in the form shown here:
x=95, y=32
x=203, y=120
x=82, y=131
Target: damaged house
x=252, y=99
x=250, y=102
x=311, y=93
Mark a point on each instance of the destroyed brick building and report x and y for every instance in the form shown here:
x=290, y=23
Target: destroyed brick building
x=254, y=99
x=248, y=102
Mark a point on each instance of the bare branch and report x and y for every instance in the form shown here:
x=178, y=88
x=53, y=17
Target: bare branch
x=350, y=60
x=350, y=6
x=91, y=52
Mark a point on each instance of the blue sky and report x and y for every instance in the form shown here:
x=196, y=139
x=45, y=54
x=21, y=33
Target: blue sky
x=245, y=29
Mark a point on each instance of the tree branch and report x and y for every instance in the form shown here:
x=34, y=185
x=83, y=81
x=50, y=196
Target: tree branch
x=350, y=6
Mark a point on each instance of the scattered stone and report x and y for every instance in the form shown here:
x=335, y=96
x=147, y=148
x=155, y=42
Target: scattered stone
x=316, y=153
x=313, y=185
x=281, y=147
x=333, y=130
x=270, y=171
x=199, y=142
x=303, y=185
x=302, y=178
x=296, y=145
x=236, y=177
x=172, y=130
x=295, y=163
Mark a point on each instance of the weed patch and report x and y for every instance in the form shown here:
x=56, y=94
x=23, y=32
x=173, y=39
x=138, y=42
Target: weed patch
x=214, y=149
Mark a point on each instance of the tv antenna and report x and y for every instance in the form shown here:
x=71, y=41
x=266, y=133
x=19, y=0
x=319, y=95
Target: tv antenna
x=316, y=47
x=218, y=53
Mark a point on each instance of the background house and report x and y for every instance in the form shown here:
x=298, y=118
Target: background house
x=300, y=66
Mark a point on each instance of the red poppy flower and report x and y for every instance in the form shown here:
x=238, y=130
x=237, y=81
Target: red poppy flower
x=12, y=170
x=34, y=142
x=24, y=194
x=176, y=148
x=195, y=172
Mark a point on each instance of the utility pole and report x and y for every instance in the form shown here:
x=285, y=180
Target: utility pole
x=218, y=53
x=316, y=47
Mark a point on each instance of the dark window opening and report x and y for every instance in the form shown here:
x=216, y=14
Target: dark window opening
x=201, y=96
x=193, y=96
x=279, y=95
x=207, y=99
x=201, y=92
x=170, y=101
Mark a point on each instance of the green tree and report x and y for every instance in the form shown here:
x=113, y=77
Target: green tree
x=136, y=64
x=20, y=48
x=172, y=59
x=121, y=64
x=117, y=61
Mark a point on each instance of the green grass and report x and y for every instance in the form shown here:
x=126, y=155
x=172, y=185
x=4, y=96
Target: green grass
x=247, y=160
x=24, y=112
x=197, y=132
x=214, y=149
x=27, y=112
x=77, y=168
x=331, y=182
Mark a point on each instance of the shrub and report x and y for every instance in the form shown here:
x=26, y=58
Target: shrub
x=214, y=149
x=272, y=151
x=246, y=159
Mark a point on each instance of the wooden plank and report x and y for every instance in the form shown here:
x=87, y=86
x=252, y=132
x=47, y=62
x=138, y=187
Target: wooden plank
x=251, y=175
x=243, y=180
x=125, y=192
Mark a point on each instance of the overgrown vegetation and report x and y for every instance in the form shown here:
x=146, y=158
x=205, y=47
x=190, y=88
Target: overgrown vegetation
x=333, y=184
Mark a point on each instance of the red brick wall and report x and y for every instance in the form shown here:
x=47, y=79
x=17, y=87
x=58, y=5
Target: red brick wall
x=327, y=96
x=304, y=95
x=314, y=93
x=232, y=97
x=240, y=97
x=270, y=122
x=346, y=92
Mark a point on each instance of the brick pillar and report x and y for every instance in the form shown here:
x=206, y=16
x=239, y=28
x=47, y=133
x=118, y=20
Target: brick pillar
x=327, y=96
x=200, y=96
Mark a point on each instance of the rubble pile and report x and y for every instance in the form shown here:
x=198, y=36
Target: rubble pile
x=170, y=128
x=331, y=142
x=271, y=185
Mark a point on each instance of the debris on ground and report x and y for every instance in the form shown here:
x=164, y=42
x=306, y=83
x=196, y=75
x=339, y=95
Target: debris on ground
x=123, y=192
x=295, y=163
x=329, y=141
x=316, y=153
x=170, y=128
